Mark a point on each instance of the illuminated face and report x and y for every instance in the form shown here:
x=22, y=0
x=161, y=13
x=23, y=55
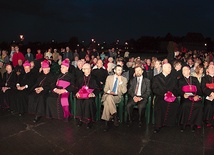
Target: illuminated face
x=138, y=72
x=157, y=64
x=27, y=69
x=46, y=70
x=86, y=69
x=99, y=64
x=16, y=49
x=167, y=68
x=211, y=69
x=64, y=69
x=9, y=68
x=186, y=71
x=118, y=71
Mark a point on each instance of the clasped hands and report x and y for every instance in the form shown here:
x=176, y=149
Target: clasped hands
x=60, y=91
x=38, y=90
x=90, y=95
x=137, y=99
x=195, y=98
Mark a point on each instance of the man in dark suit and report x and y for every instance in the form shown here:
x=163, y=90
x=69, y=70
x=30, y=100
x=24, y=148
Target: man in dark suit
x=139, y=92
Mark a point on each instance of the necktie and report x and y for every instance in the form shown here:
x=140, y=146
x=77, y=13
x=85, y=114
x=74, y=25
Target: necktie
x=136, y=88
x=115, y=86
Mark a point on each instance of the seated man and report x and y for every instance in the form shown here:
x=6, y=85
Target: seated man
x=139, y=92
x=9, y=84
x=191, y=106
x=207, y=85
x=57, y=105
x=40, y=90
x=86, y=106
x=164, y=87
x=20, y=94
x=115, y=87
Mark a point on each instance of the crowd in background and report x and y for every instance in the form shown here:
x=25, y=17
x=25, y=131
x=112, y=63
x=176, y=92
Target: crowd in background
x=102, y=63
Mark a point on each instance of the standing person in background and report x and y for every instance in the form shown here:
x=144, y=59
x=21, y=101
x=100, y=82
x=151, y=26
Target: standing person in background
x=48, y=54
x=12, y=52
x=55, y=55
x=68, y=54
x=39, y=55
x=5, y=57
x=29, y=56
x=16, y=56
x=82, y=54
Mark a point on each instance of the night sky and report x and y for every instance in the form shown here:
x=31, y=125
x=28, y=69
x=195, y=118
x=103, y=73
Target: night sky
x=104, y=20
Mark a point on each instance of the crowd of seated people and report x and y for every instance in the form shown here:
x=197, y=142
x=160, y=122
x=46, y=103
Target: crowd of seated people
x=181, y=86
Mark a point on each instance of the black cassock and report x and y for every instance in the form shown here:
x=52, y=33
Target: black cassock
x=19, y=102
x=208, y=105
x=165, y=112
x=37, y=102
x=9, y=80
x=100, y=75
x=86, y=108
x=191, y=112
x=54, y=107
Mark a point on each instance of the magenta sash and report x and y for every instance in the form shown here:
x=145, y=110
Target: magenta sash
x=189, y=89
x=84, y=92
x=210, y=85
x=64, y=96
x=169, y=97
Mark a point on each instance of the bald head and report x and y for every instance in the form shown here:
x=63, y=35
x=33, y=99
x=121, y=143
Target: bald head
x=167, y=69
x=86, y=68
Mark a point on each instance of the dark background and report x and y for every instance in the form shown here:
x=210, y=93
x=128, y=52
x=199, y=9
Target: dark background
x=109, y=20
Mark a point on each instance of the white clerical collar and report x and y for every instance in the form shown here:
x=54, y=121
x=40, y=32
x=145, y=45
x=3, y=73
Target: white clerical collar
x=140, y=77
x=165, y=74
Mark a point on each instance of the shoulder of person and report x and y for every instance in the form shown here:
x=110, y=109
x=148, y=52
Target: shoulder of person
x=146, y=80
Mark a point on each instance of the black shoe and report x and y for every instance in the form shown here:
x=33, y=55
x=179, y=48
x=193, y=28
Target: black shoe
x=116, y=121
x=36, y=119
x=106, y=128
x=129, y=123
x=140, y=124
x=193, y=127
x=156, y=131
x=89, y=125
x=12, y=112
x=182, y=128
x=79, y=123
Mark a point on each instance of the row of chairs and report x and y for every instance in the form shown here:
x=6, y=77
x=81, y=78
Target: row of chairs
x=122, y=112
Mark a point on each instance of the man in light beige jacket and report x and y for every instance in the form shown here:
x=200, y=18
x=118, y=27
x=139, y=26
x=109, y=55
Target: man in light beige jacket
x=115, y=87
